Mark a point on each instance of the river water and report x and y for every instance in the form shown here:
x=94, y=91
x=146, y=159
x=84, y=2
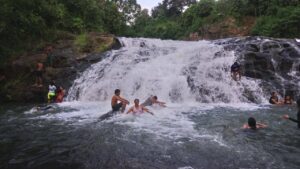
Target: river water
x=199, y=129
x=204, y=136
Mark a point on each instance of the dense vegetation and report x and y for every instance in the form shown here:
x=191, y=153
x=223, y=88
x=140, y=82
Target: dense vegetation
x=25, y=24
x=276, y=18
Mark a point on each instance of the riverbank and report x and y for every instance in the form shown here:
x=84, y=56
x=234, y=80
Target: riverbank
x=70, y=56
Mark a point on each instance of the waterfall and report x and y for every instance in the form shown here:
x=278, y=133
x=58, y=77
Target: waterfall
x=175, y=71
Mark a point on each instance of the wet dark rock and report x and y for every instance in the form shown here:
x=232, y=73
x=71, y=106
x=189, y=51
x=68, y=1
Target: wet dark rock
x=68, y=63
x=270, y=60
x=252, y=47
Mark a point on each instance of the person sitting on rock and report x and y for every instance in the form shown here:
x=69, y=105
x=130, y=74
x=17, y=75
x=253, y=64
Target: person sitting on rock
x=274, y=99
x=253, y=125
x=153, y=100
x=51, y=92
x=288, y=100
x=138, y=109
x=235, y=71
x=60, y=93
x=39, y=74
x=117, y=102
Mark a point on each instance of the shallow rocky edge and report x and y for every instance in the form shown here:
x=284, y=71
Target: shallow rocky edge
x=69, y=60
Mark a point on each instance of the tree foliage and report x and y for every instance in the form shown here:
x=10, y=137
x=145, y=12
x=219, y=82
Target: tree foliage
x=26, y=23
x=23, y=23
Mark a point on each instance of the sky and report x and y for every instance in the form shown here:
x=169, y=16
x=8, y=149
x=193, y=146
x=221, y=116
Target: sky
x=149, y=4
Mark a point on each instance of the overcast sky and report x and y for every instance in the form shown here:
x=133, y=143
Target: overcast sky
x=149, y=4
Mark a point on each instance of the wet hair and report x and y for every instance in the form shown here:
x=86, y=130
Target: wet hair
x=252, y=123
x=117, y=91
x=155, y=97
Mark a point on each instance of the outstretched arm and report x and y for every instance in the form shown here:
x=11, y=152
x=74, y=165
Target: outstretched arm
x=289, y=118
x=129, y=111
x=261, y=125
x=160, y=103
x=146, y=110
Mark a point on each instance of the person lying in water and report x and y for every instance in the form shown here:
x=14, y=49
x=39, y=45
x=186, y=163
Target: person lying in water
x=153, y=100
x=138, y=109
x=298, y=115
x=117, y=102
x=253, y=125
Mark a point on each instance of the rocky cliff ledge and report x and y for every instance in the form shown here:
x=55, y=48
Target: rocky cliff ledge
x=70, y=56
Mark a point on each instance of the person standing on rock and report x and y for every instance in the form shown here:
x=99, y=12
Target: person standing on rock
x=51, y=92
x=235, y=71
x=39, y=74
x=117, y=102
x=60, y=94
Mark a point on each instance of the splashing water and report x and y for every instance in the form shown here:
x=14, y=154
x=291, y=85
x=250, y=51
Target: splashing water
x=175, y=71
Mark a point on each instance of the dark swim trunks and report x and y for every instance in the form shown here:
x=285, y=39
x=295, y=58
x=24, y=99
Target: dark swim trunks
x=39, y=73
x=117, y=107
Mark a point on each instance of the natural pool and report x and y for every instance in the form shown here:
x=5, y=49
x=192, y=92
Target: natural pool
x=203, y=136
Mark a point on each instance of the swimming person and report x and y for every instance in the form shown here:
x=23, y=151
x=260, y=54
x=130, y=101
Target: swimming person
x=253, y=125
x=298, y=115
x=274, y=99
x=153, y=100
x=288, y=100
x=138, y=109
x=235, y=71
x=118, y=102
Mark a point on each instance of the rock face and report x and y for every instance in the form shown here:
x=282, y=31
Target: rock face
x=228, y=27
x=68, y=61
x=274, y=61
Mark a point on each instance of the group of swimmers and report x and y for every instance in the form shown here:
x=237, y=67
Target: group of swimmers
x=119, y=104
x=274, y=100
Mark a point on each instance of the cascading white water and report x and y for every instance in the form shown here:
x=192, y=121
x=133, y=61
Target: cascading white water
x=175, y=71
